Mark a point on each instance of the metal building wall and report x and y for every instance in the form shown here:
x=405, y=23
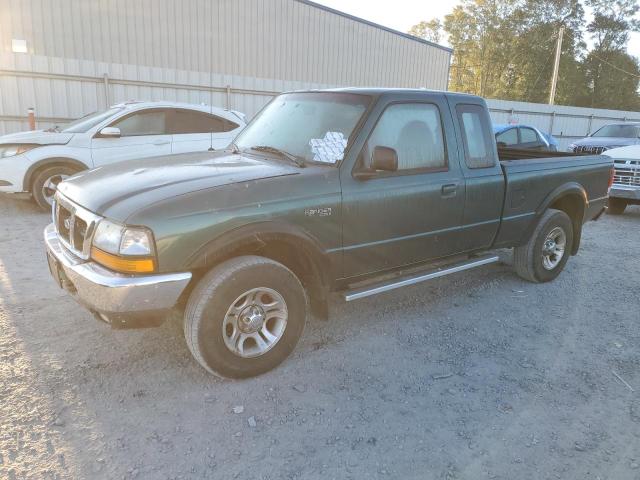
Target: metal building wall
x=193, y=50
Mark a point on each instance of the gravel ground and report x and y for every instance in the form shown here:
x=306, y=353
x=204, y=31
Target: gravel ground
x=480, y=375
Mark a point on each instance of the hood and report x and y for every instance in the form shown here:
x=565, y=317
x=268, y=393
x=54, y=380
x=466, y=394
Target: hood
x=38, y=137
x=632, y=152
x=120, y=189
x=606, y=142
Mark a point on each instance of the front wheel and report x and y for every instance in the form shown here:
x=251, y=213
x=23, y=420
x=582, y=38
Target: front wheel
x=616, y=206
x=546, y=253
x=45, y=184
x=245, y=317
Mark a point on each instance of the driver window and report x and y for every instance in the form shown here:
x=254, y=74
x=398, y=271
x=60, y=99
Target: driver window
x=528, y=135
x=414, y=131
x=143, y=123
x=508, y=137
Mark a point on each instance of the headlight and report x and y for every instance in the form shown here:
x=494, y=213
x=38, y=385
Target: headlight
x=572, y=147
x=135, y=242
x=13, y=150
x=124, y=249
x=108, y=236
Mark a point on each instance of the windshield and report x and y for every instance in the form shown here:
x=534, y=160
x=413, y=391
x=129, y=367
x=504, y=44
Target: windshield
x=315, y=127
x=618, y=131
x=89, y=121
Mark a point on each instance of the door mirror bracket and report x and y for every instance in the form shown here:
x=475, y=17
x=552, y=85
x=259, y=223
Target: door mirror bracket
x=109, y=132
x=383, y=159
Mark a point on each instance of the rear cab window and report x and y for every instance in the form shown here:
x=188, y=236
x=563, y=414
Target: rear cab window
x=476, y=136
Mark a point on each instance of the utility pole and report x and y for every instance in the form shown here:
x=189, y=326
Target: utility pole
x=556, y=65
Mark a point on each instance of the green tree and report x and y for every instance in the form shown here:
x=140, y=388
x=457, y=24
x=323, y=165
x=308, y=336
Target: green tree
x=612, y=22
x=612, y=78
x=480, y=32
x=612, y=75
x=533, y=51
x=431, y=30
x=505, y=49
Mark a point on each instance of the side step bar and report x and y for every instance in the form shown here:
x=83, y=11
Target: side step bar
x=418, y=278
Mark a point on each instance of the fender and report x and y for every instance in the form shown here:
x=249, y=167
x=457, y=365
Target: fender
x=568, y=189
x=260, y=234
x=50, y=161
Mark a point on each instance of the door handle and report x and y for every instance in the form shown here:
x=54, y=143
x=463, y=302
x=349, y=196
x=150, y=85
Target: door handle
x=161, y=142
x=449, y=190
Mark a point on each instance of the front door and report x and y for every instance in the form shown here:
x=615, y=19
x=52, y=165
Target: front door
x=142, y=134
x=413, y=214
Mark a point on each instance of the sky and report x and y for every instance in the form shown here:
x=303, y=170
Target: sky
x=403, y=14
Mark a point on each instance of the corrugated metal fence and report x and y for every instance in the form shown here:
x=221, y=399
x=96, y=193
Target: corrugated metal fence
x=78, y=87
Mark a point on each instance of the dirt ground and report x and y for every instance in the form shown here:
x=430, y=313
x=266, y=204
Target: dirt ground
x=480, y=375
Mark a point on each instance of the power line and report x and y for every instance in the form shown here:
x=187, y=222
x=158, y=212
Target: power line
x=614, y=66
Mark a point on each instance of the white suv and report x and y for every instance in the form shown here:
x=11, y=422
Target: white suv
x=37, y=161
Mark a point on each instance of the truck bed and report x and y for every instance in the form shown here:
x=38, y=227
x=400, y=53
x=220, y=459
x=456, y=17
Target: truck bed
x=528, y=173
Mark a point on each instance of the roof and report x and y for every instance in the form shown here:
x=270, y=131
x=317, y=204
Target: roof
x=375, y=25
x=139, y=105
x=378, y=91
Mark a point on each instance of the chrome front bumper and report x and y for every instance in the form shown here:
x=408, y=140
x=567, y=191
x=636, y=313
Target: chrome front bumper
x=630, y=193
x=107, y=293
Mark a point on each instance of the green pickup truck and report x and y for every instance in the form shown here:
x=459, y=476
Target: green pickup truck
x=357, y=191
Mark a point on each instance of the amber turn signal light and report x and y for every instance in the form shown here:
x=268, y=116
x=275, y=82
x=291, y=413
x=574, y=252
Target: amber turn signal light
x=123, y=265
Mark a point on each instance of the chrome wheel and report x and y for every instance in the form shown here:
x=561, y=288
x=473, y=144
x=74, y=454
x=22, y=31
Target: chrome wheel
x=553, y=248
x=255, y=322
x=50, y=186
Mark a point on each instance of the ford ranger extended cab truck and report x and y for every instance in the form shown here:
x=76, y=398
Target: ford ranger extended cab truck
x=354, y=190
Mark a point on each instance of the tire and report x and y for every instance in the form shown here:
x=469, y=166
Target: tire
x=530, y=260
x=616, y=206
x=214, y=319
x=45, y=179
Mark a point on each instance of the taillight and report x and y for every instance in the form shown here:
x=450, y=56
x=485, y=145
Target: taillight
x=612, y=172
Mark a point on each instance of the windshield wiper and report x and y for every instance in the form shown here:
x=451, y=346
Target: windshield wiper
x=289, y=156
x=54, y=129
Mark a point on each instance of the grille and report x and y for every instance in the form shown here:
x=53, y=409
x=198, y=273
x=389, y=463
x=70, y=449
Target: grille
x=589, y=149
x=627, y=173
x=74, y=225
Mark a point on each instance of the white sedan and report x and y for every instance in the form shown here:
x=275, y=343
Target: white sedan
x=36, y=161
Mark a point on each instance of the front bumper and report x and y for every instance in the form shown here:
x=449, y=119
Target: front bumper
x=630, y=193
x=12, y=172
x=124, y=301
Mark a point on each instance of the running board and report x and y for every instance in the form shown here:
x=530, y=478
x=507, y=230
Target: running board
x=418, y=278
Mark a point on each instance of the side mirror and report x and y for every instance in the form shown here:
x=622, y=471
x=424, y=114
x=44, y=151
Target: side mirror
x=109, y=132
x=385, y=159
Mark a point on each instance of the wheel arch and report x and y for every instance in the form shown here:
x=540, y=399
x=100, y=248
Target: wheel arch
x=50, y=162
x=572, y=199
x=282, y=242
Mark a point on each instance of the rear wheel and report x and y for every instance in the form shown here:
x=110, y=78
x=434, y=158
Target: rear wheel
x=616, y=206
x=546, y=253
x=245, y=317
x=45, y=184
